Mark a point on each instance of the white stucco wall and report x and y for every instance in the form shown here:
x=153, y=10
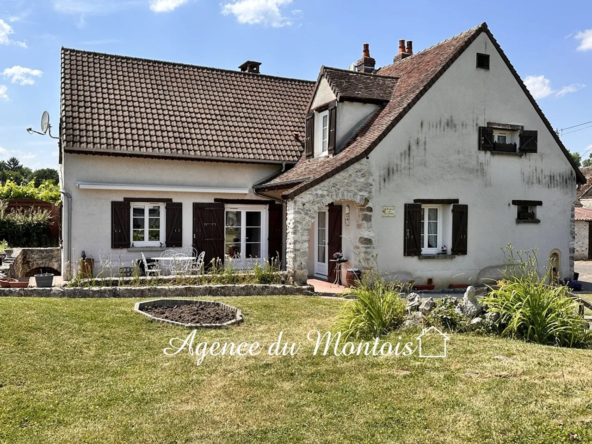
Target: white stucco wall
x=433, y=153
x=323, y=95
x=351, y=116
x=582, y=234
x=91, y=209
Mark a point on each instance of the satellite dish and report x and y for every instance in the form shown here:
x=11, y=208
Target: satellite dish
x=44, y=122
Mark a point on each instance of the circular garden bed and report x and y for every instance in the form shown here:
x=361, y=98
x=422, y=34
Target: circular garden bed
x=190, y=313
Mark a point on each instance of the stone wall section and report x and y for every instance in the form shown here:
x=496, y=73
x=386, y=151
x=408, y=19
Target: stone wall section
x=30, y=259
x=581, y=243
x=353, y=184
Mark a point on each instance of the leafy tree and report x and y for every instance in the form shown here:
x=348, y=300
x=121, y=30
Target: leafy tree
x=577, y=158
x=39, y=176
x=13, y=164
x=587, y=162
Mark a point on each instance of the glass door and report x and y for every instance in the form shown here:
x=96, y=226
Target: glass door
x=321, y=248
x=245, y=231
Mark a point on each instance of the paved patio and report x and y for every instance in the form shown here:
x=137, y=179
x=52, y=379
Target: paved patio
x=326, y=287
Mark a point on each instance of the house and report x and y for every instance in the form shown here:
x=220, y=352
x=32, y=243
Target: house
x=432, y=343
x=583, y=216
x=424, y=167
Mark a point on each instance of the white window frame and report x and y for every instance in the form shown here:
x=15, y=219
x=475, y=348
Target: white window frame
x=321, y=141
x=147, y=205
x=424, y=248
x=244, y=262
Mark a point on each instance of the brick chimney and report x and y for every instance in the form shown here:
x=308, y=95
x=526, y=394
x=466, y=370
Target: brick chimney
x=250, y=67
x=366, y=63
x=404, y=52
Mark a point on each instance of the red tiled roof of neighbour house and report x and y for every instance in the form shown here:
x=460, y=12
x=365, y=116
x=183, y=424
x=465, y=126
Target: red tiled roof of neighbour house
x=127, y=106
x=584, y=214
x=585, y=191
x=416, y=74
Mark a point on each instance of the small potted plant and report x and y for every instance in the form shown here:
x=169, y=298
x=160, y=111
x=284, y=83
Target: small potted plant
x=44, y=280
x=338, y=257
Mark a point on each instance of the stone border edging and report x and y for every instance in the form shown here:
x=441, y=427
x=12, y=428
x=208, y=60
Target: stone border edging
x=138, y=308
x=159, y=292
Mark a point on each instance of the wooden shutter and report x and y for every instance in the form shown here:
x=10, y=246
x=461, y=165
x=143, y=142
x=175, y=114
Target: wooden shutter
x=528, y=141
x=174, y=224
x=412, y=234
x=276, y=232
x=208, y=230
x=485, y=138
x=332, y=128
x=335, y=230
x=120, y=224
x=460, y=218
x=310, y=135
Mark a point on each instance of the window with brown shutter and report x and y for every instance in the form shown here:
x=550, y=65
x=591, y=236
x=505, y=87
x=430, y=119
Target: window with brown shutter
x=485, y=138
x=332, y=128
x=460, y=218
x=528, y=141
x=174, y=224
x=208, y=230
x=120, y=224
x=412, y=231
x=309, y=142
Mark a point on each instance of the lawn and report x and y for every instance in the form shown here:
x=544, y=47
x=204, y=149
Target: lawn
x=93, y=370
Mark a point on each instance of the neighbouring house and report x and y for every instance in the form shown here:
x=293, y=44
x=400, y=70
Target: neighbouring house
x=583, y=215
x=424, y=168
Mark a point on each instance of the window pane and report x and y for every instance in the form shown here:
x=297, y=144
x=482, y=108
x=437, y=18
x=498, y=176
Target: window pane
x=154, y=223
x=253, y=235
x=253, y=250
x=321, y=237
x=233, y=235
x=233, y=250
x=154, y=211
x=138, y=235
x=322, y=219
x=233, y=218
x=321, y=254
x=138, y=223
x=432, y=241
x=432, y=214
x=154, y=235
x=138, y=212
x=253, y=218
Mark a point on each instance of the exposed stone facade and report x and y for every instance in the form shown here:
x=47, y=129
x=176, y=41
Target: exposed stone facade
x=353, y=184
x=582, y=232
x=572, y=244
x=30, y=260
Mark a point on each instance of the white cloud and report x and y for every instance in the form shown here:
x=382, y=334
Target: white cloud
x=253, y=12
x=166, y=5
x=540, y=87
x=5, y=31
x=22, y=76
x=21, y=155
x=585, y=38
x=3, y=94
x=91, y=7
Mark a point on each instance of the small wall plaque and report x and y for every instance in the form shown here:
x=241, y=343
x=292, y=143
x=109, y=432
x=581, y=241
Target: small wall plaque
x=388, y=211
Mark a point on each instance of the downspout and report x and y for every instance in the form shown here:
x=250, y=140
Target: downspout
x=68, y=196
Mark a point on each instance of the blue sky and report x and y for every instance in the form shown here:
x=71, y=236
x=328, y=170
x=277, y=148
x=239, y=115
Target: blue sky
x=549, y=43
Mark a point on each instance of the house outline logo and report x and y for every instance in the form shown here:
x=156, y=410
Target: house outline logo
x=425, y=332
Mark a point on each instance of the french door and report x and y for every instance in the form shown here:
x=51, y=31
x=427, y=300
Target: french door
x=246, y=235
x=321, y=259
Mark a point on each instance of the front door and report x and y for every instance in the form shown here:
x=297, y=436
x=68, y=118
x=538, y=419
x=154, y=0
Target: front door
x=320, y=245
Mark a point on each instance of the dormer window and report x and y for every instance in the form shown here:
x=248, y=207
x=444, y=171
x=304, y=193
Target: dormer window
x=320, y=131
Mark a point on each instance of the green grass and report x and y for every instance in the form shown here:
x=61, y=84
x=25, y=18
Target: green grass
x=93, y=371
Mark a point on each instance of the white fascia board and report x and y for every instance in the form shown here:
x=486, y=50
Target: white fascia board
x=159, y=188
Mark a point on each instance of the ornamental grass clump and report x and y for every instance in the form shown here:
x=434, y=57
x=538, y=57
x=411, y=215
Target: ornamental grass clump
x=377, y=309
x=532, y=310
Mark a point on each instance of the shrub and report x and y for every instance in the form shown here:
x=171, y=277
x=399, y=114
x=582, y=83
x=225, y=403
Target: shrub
x=47, y=191
x=25, y=228
x=531, y=310
x=377, y=309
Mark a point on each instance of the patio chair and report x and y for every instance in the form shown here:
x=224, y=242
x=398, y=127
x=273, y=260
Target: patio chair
x=198, y=263
x=151, y=269
x=168, y=253
x=105, y=261
x=189, y=251
x=180, y=265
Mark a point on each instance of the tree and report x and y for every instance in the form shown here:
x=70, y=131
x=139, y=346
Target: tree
x=44, y=174
x=587, y=162
x=13, y=164
x=577, y=158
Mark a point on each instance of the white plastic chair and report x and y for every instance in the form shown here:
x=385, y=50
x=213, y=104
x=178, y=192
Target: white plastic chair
x=150, y=269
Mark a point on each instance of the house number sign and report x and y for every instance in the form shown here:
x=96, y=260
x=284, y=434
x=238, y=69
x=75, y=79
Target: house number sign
x=388, y=211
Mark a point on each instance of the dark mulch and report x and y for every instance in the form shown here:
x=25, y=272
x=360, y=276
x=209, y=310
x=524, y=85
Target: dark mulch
x=193, y=314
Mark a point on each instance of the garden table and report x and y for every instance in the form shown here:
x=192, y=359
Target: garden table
x=168, y=262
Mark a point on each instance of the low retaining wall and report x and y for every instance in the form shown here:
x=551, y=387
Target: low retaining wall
x=158, y=292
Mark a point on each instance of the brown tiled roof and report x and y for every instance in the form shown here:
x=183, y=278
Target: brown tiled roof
x=123, y=105
x=585, y=191
x=352, y=85
x=416, y=74
x=584, y=214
